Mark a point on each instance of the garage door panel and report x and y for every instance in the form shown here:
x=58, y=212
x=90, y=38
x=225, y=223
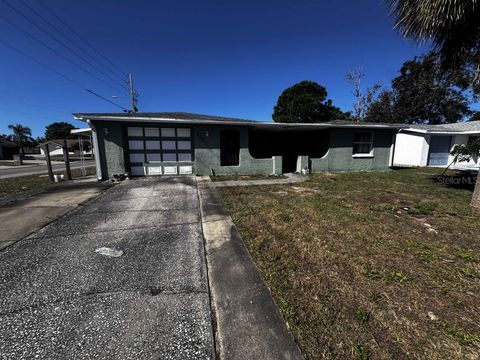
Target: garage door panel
x=135, y=131
x=154, y=157
x=153, y=132
x=168, y=132
x=152, y=145
x=184, y=145
x=183, y=132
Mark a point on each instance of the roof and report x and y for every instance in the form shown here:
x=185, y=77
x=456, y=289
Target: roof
x=85, y=131
x=461, y=127
x=7, y=143
x=190, y=118
x=60, y=142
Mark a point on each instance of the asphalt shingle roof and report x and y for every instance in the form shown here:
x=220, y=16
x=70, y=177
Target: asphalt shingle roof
x=455, y=127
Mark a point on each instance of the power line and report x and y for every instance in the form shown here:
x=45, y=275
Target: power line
x=111, y=102
x=55, y=71
x=78, y=46
x=81, y=37
x=43, y=64
x=27, y=113
x=23, y=102
x=22, y=98
x=48, y=46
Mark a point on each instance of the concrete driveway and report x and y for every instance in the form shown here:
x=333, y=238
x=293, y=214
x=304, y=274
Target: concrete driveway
x=59, y=299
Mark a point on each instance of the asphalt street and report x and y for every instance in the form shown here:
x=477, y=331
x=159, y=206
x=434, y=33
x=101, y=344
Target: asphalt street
x=13, y=171
x=59, y=299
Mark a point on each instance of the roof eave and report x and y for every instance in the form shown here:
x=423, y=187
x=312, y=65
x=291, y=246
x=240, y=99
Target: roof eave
x=85, y=117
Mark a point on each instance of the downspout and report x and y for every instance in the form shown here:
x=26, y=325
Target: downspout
x=95, y=150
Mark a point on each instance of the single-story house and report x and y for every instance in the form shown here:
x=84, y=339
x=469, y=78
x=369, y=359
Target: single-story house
x=430, y=145
x=145, y=144
x=8, y=148
x=55, y=147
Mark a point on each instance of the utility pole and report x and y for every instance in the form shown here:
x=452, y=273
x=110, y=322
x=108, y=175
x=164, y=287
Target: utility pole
x=133, y=94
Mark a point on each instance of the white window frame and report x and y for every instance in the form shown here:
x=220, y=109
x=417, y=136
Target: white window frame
x=363, y=155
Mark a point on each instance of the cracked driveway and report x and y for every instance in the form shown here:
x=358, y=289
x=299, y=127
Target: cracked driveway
x=59, y=299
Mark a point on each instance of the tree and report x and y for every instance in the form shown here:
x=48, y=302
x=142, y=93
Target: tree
x=58, y=130
x=21, y=135
x=454, y=27
x=382, y=109
x=363, y=99
x=475, y=116
x=305, y=102
x=424, y=94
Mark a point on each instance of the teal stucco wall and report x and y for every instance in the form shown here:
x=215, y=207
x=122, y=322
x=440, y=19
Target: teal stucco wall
x=207, y=153
x=339, y=156
x=111, y=148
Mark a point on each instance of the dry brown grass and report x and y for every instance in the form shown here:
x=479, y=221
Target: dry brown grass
x=368, y=265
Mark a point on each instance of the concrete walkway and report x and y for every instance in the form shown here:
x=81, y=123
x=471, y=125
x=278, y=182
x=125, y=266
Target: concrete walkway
x=290, y=179
x=23, y=214
x=60, y=299
x=248, y=322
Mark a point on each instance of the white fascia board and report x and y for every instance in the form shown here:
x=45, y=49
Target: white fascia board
x=227, y=122
x=443, y=132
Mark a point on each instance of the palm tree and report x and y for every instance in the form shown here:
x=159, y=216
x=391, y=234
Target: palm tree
x=454, y=28
x=21, y=135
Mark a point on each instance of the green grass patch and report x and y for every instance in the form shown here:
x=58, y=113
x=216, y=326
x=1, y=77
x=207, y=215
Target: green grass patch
x=424, y=208
x=12, y=186
x=462, y=337
x=465, y=255
x=354, y=275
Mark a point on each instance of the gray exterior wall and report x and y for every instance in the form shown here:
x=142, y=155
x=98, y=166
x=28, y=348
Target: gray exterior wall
x=339, y=156
x=207, y=154
x=111, y=145
x=206, y=143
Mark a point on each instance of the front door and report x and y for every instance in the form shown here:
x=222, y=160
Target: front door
x=439, y=150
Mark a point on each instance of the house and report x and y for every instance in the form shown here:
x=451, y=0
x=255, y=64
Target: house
x=55, y=147
x=430, y=145
x=184, y=143
x=7, y=148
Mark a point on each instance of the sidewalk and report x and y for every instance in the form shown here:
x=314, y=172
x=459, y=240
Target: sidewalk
x=291, y=179
x=22, y=216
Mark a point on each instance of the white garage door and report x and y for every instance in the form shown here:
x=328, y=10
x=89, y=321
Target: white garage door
x=160, y=150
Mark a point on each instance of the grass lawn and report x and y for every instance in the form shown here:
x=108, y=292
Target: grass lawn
x=242, y=177
x=12, y=186
x=368, y=265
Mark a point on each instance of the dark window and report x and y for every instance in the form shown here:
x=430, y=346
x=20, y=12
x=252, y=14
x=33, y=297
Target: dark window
x=362, y=142
x=229, y=148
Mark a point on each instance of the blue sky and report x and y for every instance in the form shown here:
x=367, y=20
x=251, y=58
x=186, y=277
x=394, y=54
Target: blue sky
x=218, y=57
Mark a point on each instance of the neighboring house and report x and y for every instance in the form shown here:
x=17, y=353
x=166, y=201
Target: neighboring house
x=430, y=145
x=7, y=148
x=55, y=147
x=184, y=143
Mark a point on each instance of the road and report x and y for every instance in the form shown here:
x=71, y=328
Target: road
x=13, y=171
x=61, y=299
